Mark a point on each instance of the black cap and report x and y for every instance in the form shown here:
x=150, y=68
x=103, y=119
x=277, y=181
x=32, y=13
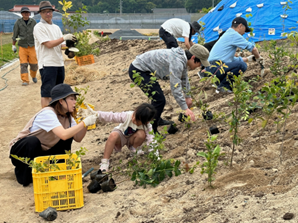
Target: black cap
x=25, y=9
x=240, y=20
x=61, y=91
x=196, y=26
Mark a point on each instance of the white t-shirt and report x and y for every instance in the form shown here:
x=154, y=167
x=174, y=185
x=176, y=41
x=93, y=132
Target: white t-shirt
x=49, y=57
x=47, y=120
x=177, y=27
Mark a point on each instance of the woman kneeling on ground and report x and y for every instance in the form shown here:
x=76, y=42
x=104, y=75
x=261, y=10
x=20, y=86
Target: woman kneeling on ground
x=49, y=132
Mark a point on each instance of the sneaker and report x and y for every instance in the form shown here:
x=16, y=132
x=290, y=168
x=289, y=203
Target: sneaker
x=25, y=84
x=214, y=86
x=34, y=79
x=202, y=74
x=164, y=122
x=134, y=150
x=223, y=90
x=104, y=165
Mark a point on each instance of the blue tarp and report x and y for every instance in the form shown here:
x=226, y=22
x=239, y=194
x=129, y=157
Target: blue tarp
x=266, y=21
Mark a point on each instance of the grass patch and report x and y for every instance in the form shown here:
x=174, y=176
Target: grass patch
x=7, y=54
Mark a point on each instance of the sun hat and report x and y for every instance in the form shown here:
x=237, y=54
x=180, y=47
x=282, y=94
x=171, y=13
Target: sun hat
x=45, y=5
x=240, y=20
x=196, y=26
x=61, y=91
x=25, y=9
x=200, y=52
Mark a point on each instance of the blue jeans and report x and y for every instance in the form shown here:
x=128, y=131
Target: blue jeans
x=236, y=68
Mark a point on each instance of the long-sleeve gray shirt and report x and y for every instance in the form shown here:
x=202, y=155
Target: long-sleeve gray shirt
x=168, y=64
x=24, y=32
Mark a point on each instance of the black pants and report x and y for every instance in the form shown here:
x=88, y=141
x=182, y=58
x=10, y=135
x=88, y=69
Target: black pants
x=159, y=100
x=169, y=39
x=30, y=147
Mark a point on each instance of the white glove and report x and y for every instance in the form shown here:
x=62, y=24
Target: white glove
x=69, y=36
x=251, y=58
x=90, y=120
x=91, y=111
x=14, y=49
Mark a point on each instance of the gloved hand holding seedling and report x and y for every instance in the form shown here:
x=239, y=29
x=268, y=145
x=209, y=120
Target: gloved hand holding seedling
x=90, y=120
x=69, y=36
x=70, y=52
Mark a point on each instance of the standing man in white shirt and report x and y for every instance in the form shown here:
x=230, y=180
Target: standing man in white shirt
x=48, y=42
x=176, y=28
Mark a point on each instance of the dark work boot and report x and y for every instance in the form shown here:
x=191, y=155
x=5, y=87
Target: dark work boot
x=162, y=122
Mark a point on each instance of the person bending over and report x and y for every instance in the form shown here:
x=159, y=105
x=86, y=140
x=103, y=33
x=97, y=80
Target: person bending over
x=169, y=64
x=175, y=28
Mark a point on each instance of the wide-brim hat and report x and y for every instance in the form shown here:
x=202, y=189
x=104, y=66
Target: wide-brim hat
x=45, y=5
x=201, y=53
x=61, y=91
x=196, y=26
x=25, y=9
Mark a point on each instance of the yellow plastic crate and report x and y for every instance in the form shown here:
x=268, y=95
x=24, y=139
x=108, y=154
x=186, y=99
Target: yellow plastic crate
x=78, y=120
x=61, y=189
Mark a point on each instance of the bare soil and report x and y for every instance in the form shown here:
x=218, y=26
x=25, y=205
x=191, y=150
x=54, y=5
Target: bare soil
x=258, y=188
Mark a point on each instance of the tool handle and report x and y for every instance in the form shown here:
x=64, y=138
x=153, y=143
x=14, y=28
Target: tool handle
x=87, y=172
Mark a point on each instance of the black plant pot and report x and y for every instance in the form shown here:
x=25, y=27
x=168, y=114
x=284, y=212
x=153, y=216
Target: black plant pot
x=182, y=117
x=108, y=185
x=92, y=175
x=213, y=130
x=252, y=110
x=172, y=129
x=101, y=177
x=49, y=214
x=208, y=115
x=94, y=186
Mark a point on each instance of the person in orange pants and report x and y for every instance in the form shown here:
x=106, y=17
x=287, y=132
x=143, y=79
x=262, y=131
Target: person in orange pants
x=28, y=56
x=23, y=30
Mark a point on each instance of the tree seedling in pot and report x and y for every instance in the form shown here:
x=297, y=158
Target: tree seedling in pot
x=172, y=129
x=208, y=115
x=182, y=117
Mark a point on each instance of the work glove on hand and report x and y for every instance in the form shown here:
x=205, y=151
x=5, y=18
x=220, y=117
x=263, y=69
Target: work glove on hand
x=14, y=49
x=90, y=120
x=90, y=110
x=69, y=36
x=251, y=58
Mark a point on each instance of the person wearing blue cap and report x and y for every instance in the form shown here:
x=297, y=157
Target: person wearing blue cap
x=49, y=132
x=224, y=51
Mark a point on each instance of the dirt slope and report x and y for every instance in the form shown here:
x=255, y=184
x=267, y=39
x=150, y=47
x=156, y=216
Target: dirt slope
x=257, y=189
